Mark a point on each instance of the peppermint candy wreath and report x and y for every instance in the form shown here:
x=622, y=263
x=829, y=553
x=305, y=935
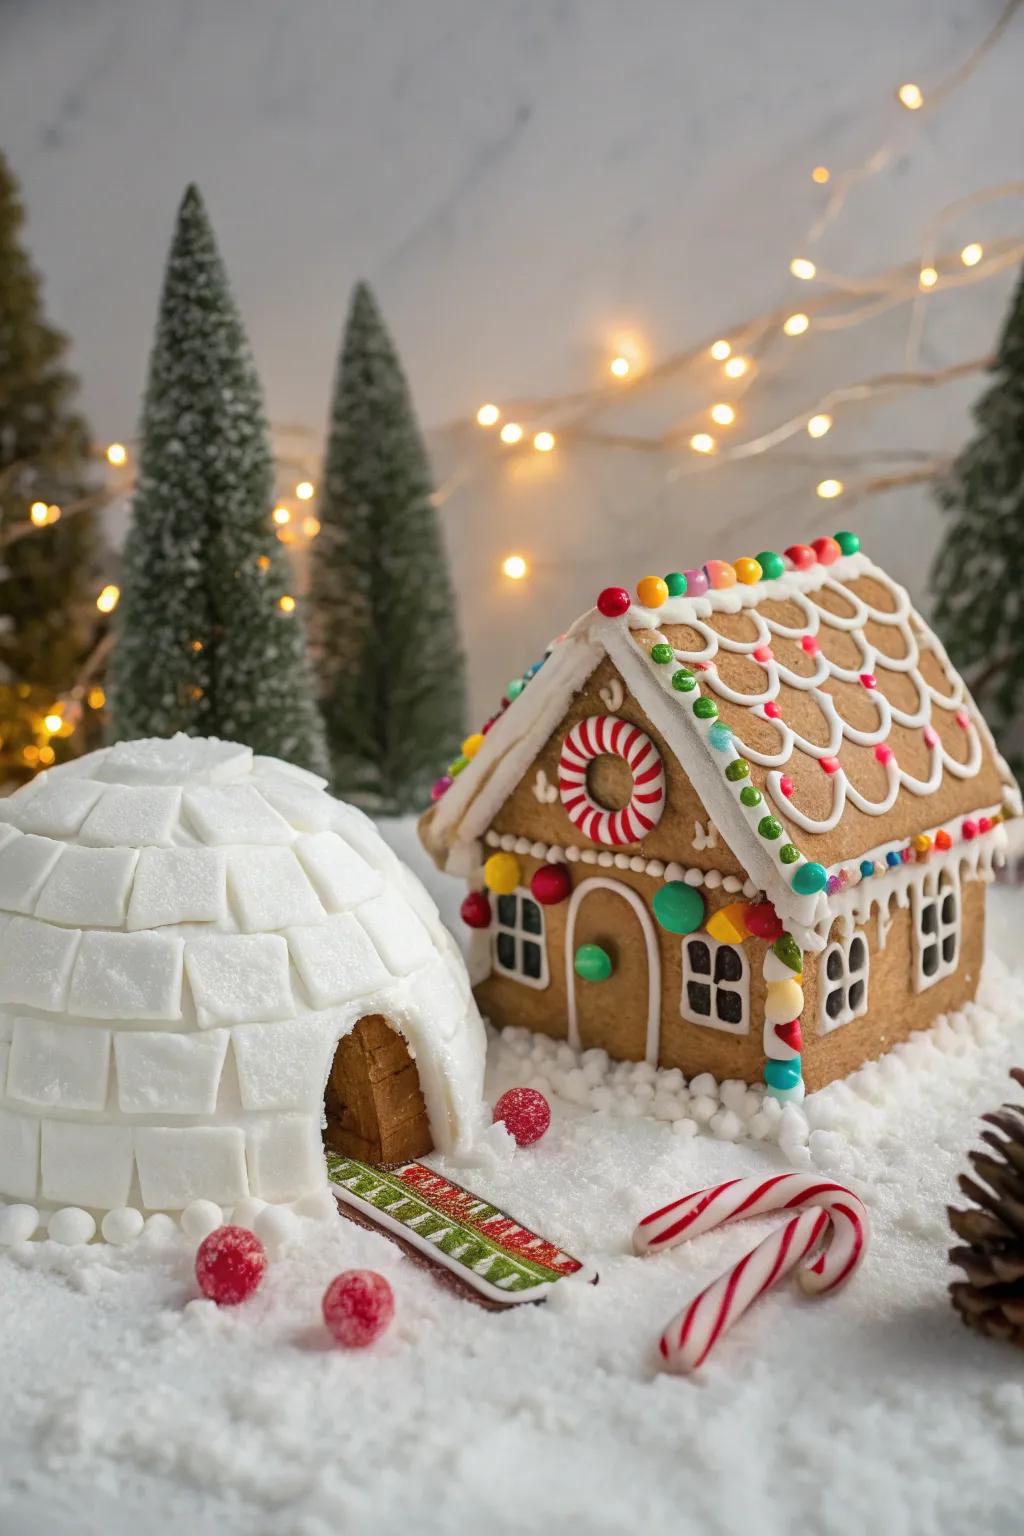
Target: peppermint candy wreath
x=595, y=737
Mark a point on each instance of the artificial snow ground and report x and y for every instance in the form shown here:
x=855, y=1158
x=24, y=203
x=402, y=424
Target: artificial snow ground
x=129, y=1403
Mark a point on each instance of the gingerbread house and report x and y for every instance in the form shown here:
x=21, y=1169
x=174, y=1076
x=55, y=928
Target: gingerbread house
x=741, y=822
x=208, y=968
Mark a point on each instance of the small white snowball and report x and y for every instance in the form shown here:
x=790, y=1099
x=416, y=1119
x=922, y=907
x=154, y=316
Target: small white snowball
x=667, y=1106
x=566, y=1057
x=246, y=1211
x=732, y=1093
x=601, y=1098
x=160, y=1228
x=319, y=1207
x=750, y=1105
x=671, y=1080
x=201, y=1218
x=643, y=1093
x=685, y=1128
x=644, y=1072
x=771, y=1109
x=72, y=1225
x=704, y=1086
x=702, y=1107
x=275, y=1226
x=17, y=1224
x=122, y=1226
x=596, y=1059
x=726, y=1125
x=827, y=1149
x=759, y=1126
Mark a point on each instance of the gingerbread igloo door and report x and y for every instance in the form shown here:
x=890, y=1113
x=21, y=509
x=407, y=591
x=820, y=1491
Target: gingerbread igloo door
x=187, y=932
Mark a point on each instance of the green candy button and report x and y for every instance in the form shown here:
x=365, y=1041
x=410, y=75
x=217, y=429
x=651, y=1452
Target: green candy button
x=678, y=907
x=661, y=654
x=676, y=583
x=849, y=543
x=592, y=963
x=809, y=879
x=771, y=563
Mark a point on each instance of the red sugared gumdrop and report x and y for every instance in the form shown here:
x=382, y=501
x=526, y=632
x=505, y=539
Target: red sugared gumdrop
x=476, y=910
x=525, y=1114
x=229, y=1265
x=613, y=602
x=763, y=921
x=358, y=1305
x=550, y=884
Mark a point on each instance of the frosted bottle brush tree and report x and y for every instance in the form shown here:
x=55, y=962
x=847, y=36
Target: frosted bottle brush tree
x=979, y=574
x=204, y=644
x=384, y=623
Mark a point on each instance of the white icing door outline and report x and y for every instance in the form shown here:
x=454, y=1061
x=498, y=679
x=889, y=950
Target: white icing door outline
x=600, y=883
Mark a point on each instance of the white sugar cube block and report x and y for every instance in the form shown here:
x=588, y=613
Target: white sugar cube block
x=276, y=767
x=437, y=997
x=35, y=963
x=5, y=1052
x=181, y=760
x=163, y=1073
x=269, y=889
x=178, y=885
x=422, y=903
x=237, y=814
x=360, y=833
x=302, y=806
x=59, y=1066
x=87, y=1164
x=60, y=807
x=127, y=976
x=286, y=1157
x=239, y=978
x=88, y=887
x=19, y=1156
x=200, y=1163
x=132, y=816
x=282, y=1066
x=337, y=961
x=400, y=937
x=25, y=862
x=342, y=877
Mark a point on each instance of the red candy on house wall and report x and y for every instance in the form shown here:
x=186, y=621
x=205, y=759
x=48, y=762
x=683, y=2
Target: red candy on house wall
x=763, y=921
x=550, y=884
x=476, y=910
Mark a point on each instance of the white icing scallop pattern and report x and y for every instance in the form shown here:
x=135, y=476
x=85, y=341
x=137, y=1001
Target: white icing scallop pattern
x=597, y=736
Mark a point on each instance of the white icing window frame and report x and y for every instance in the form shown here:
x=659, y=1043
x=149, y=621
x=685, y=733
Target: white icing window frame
x=934, y=927
x=520, y=935
x=707, y=978
x=850, y=975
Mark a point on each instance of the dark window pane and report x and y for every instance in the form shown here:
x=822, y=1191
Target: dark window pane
x=834, y=1003
x=834, y=966
x=728, y=964
x=729, y=1006
x=949, y=909
x=858, y=954
x=949, y=948
x=857, y=996
x=928, y=917
x=531, y=960
x=699, y=957
x=930, y=960
x=506, y=947
x=531, y=918
x=507, y=911
x=699, y=998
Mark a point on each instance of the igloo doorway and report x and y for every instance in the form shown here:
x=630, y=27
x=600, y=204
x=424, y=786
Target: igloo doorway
x=373, y=1104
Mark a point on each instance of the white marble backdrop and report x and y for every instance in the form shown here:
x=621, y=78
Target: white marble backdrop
x=523, y=183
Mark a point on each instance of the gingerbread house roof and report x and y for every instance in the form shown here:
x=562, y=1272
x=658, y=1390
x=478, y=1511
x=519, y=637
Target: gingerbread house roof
x=857, y=733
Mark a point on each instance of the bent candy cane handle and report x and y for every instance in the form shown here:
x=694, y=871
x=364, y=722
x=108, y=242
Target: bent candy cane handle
x=693, y=1333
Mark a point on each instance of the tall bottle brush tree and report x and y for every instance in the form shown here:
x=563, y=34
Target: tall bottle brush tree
x=384, y=625
x=210, y=640
x=49, y=625
x=978, y=576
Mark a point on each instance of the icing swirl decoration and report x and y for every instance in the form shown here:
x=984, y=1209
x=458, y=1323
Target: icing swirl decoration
x=598, y=736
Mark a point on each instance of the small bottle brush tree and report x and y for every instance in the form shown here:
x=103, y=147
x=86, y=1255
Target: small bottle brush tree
x=209, y=638
x=978, y=576
x=49, y=575
x=384, y=624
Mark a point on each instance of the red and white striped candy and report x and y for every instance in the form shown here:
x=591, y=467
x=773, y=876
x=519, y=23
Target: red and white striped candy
x=597, y=736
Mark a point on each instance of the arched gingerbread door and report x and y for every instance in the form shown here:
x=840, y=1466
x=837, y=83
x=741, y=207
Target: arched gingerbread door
x=622, y=1014
x=373, y=1103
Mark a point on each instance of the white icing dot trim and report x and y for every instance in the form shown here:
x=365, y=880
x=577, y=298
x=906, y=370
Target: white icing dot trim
x=553, y=853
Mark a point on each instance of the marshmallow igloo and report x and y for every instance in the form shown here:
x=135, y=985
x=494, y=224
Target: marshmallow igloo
x=207, y=966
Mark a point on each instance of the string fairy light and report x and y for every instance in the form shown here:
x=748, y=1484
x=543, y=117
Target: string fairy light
x=720, y=350
x=620, y=367
x=927, y=277
x=38, y=512
x=828, y=490
x=972, y=254
x=117, y=454
x=702, y=442
x=544, y=441
x=286, y=603
x=821, y=175
x=511, y=433
x=281, y=516
x=723, y=413
x=796, y=325
x=305, y=490
x=108, y=598
x=488, y=415
x=819, y=424
x=514, y=567
x=911, y=96
x=802, y=268
x=736, y=367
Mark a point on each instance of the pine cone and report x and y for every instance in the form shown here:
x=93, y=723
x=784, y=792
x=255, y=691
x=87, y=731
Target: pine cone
x=991, y=1298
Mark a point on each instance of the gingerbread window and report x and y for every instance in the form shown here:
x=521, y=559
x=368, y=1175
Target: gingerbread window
x=844, y=987
x=518, y=939
x=716, y=985
x=936, y=928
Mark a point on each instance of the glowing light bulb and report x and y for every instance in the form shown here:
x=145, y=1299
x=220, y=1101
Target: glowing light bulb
x=38, y=512
x=281, y=516
x=819, y=425
x=821, y=174
x=795, y=325
x=52, y=514
x=723, y=413
x=514, y=567
x=488, y=415
x=311, y=527
x=736, y=367
x=720, y=350
x=972, y=254
x=911, y=96
x=305, y=490
x=263, y=561
x=47, y=756
x=544, y=442
x=117, y=454
x=96, y=698
x=620, y=367
x=511, y=432
x=286, y=603
x=802, y=268
x=53, y=723
x=108, y=598
x=702, y=442
x=927, y=277
x=828, y=490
